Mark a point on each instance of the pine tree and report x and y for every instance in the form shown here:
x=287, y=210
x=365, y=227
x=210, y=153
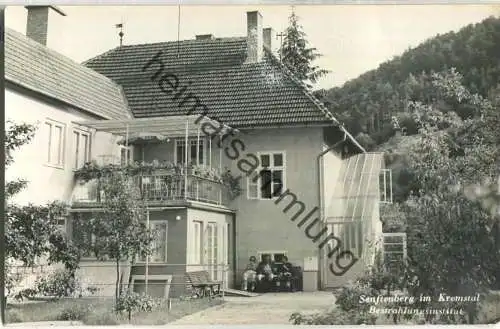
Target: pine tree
x=296, y=55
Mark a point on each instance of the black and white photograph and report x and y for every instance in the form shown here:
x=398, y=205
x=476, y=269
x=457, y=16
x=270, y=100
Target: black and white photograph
x=272, y=164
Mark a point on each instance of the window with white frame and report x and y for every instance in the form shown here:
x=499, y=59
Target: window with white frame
x=269, y=179
x=386, y=186
x=197, y=242
x=276, y=256
x=195, y=151
x=159, y=245
x=81, y=147
x=54, y=132
x=125, y=155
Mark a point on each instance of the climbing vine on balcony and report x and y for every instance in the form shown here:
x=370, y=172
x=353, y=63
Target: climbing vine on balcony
x=92, y=170
x=233, y=184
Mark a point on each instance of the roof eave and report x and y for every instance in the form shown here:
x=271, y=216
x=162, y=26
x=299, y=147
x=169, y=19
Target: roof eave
x=171, y=126
x=54, y=98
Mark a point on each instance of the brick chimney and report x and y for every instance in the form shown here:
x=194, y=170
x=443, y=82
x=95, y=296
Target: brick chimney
x=38, y=22
x=255, y=40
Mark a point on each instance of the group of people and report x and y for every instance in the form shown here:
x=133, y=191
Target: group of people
x=266, y=270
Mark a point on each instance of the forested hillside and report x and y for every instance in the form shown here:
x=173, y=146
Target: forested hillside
x=445, y=95
x=367, y=103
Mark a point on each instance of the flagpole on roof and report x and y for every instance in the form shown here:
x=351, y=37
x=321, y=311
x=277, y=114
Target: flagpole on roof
x=120, y=34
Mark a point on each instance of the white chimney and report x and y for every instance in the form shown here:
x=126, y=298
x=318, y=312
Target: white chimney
x=268, y=36
x=255, y=40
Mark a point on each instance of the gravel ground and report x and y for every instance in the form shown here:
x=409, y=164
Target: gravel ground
x=270, y=308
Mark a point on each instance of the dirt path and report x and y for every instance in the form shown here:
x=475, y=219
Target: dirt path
x=265, y=309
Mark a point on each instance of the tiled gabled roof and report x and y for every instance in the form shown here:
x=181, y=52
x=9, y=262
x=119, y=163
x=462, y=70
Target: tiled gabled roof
x=40, y=69
x=237, y=93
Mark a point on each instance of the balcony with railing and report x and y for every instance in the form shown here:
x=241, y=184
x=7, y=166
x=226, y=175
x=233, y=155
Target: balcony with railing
x=168, y=159
x=155, y=184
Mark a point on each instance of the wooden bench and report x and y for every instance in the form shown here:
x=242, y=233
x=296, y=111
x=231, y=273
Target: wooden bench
x=280, y=283
x=202, y=285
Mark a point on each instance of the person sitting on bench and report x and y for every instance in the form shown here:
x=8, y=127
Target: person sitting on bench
x=285, y=275
x=265, y=269
x=250, y=274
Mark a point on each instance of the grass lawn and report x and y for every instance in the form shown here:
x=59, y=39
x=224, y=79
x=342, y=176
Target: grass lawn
x=98, y=311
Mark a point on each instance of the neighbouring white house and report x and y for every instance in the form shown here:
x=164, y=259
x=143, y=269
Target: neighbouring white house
x=51, y=91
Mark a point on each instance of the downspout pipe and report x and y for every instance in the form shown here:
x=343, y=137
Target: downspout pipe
x=321, y=203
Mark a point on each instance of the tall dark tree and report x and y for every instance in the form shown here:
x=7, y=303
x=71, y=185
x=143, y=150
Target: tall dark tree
x=296, y=54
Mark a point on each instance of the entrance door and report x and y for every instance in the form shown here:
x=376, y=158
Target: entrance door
x=211, y=250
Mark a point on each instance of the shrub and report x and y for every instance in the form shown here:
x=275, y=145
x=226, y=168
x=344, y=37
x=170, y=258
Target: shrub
x=25, y=293
x=61, y=283
x=381, y=280
x=75, y=312
x=376, y=281
x=333, y=317
x=130, y=302
x=101, y=319
x=348, y=297
x=349, y=311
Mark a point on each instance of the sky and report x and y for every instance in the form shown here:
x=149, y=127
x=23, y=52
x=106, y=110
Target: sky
x=352, y=38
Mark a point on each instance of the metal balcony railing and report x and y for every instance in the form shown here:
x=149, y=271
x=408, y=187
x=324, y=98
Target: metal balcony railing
x=161, y=186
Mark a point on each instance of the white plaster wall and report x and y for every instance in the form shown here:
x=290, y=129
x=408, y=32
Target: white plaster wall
x=47, y=183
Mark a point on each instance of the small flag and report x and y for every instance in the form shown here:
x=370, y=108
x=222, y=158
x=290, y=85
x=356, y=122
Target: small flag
x=119, y=25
